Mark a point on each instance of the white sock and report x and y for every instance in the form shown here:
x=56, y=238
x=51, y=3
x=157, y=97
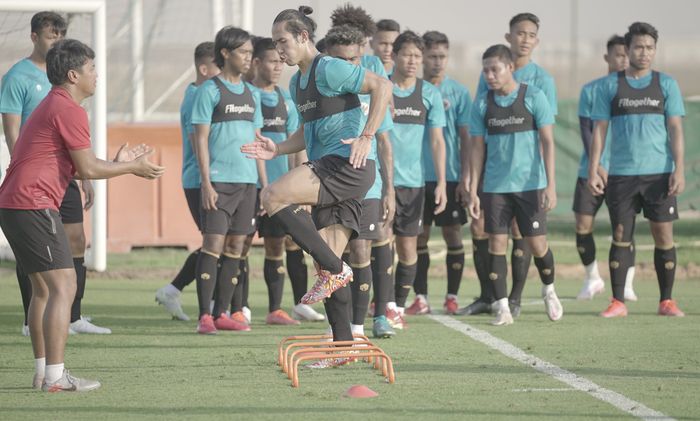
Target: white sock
x=391, y=305
x=53, y=373
x=592, y=270
x=448, y=296
x=503, y=305
x=40, y=366
x=358, y=329
x=400, y=310
x=423, y=298
x=629, y=278
x=547, y=288
x=171, y=290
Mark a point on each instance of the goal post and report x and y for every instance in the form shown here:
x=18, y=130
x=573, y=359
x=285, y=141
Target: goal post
x=96, y=256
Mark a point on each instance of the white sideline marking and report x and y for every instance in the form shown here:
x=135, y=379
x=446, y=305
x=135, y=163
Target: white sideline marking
x=562, y=389
x=615, y=399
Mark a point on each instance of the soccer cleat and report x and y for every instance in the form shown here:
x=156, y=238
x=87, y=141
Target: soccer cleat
x=450, y=306
x=25, y=330
x=37, y=381
x=169, y=297
x=590, y=288
x=83, y=326
x=514, y=308
x=224, y=322
x=419, y=306
x=305, y=312
x=503, y=316
x=615, y=309
x=381, y=328
x=247, y=314
x=329, y=363
x=669, y=308
x=68, y=383
x=239, y=317
x=479, y=306
x=205, y=326
x=396, y=319
x=326, y=284
x=280, y=317
x=551, y=303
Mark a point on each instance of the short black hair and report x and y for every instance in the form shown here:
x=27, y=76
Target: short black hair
x=640, y=28
x=203, y=51
x=388, y=25
x=408, y=37
x=229, y=38
x=499, y=51
x=64, y=56
x=354, y=16
x=321, y=45
x=297, y=21
x=521, y=17
x=262, y=46
x=344, y=35
x=47, y=19
x=614, y=40
x=434, y=38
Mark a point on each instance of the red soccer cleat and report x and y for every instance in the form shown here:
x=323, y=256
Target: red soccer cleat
x=615, y=309
x=224, y=322
x=205, y=326
x=669, y=308
x=239, y=317
x=420, y=306
x=280, y=317
x=451, y=306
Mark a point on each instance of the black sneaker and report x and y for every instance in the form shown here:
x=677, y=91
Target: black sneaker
x=479, y=306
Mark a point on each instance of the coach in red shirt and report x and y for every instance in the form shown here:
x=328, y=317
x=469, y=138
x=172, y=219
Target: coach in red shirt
x=54, y=147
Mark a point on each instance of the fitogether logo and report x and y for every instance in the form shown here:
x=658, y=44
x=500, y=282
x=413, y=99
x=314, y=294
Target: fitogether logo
x=503, y=122
x=409, y=111
x=308, y=105
x=274, y=122
x=636, y=103
x=238, y=109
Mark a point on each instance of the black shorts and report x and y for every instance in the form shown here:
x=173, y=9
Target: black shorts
x=500, y=208
x=408, y=221
x=454, y=213
x=584, y=201
x=370, y=219
x=71, y=209
x=194, y=200
x=342, y=190
x=235, y=212
x=626, y=196
x=37, y=239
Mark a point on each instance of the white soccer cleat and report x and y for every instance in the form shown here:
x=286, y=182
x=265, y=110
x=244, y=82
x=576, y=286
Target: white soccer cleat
x=83, y=326
x=247, y=314
x=307, y=313
x=503, y=315
x=68, y=383
x=590, y=288
x=555, y=311
x=25, y=330
x=169, y=297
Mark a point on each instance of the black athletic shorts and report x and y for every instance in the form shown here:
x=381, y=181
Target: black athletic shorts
x=370, y=218
x=194, y=200
x=454, y=213
x=584, y=201
x=37, y=239
x=626, y=196
x=342, y=190
x=500, y=208
x=71, y=209
x=408, y=221
x=235, y=212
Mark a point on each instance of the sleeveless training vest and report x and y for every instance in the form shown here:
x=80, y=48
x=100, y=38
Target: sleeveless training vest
x=233, y=107
x=627, y=100
x=410, y=109
x=512, y=119
x=313, y=106
x=275, y=118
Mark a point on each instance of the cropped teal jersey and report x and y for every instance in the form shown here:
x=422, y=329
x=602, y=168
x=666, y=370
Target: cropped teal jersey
x=585, y=109
x=533, y=75
x=190, y=169
x=23, y=87
x=278, y=166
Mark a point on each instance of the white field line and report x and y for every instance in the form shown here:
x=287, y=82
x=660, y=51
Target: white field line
x=615, y=399
x=534, y=389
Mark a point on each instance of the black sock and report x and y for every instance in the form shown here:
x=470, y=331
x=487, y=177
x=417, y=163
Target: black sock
x=187, y=272
x=545, y=267
x=337, y=310
x=382, y=262
x=362, y=280
x=455, y=268
x=665, y=265
x=346, y=257
x=498, y=271
x=226, y=283
x=520, y=264
x=298, y=273
x=273, y=272
x=244, y=280
x=405, y=274
x=81, y=273
x=585, y=244
x=619, y=262
x=420, y=285
x=25, y=289
x=481, y=258
x=206, y=281
x=299, y=225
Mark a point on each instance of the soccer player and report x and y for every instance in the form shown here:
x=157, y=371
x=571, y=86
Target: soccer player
x=52, y=148
x=457, y=104
x=383, y=40
x=345, y=42
x=23, y=87
x=205, y=68
x=419, y=116
x=643, y=109
x=514, y=120
x=225, y=115
x=585, y=204
x=338, y=175
x=522, y=38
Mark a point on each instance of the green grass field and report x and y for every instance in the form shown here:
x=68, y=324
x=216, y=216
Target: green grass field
x=152, y=367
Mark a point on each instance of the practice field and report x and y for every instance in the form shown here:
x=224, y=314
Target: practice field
x=446, y=367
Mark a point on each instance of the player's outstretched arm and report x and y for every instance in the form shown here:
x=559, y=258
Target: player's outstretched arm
x=264, y=148
x=91, y=167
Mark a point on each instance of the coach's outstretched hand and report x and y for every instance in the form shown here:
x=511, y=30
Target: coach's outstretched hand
x=127, y=154
x=262, y=148
x=145, y=168
x=360, y=148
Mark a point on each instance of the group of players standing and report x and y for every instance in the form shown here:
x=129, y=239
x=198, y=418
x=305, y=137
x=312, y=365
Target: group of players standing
x=376, y=155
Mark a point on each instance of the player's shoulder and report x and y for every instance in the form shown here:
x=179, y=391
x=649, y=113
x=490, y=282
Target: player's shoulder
x=541, y=72
x=22, y=68
x=533, y=91
x=666, y=80
x=592, y=85
x=452, y=86
x=429, y=89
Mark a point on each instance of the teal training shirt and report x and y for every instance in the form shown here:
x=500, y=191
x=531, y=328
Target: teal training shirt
x=24, y=86
x=279, y=166
x=190, y=169
x=407, y=139
x=226, y=162
x=323, y=136
x=640, y=142
x=513, y=161
x=585, y=109
x=533, y=75
x=457, y=103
